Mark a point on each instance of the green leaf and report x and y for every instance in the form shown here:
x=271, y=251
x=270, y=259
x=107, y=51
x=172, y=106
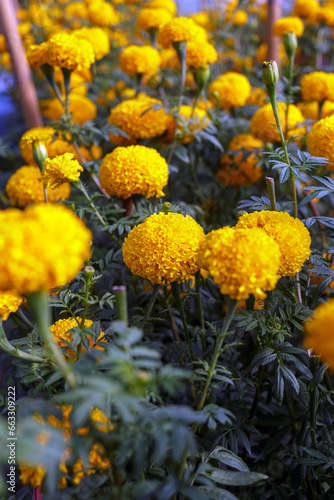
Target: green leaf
x=226, y=457
x=232, y=478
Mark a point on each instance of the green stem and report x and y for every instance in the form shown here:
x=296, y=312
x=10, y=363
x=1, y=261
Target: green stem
x=20, y=314
x=198, y=280
x=177, y=297
x=231, y=307
x=273, y=101
x=121, y=303
x=151, y=303
x=38, y=302
x=257, y=394
x=88, y=281
x=6, y=346
x=289, y=93
x=271, y=191
x=82, y=188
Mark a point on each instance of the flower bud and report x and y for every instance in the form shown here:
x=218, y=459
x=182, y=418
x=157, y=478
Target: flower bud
x=40, y=153
x=89, y=271
x=290, y=43
x=270, y=72
x=202, y=76
x=166, y=206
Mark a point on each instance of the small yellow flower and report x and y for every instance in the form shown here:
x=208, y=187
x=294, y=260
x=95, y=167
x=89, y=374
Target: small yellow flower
x=97, y=37
x=103, y=14
x=240, y=18
x=319, y=333
x=190, y=123
x=180, y=29
x=134, y=170
x=69, y=52
x=167, y=5
x=60, y=169
x=241, y=261
x=136, y=60
x=199, y=54
x=37, y=55
x=262, y=120
x=317, y=86
x=320, y=140
x=24, y=188
x=32, y=474
x=9, y=302
x=232, y=88
x=164, y=248
x=149, y=19
x=306, y=8
x=286, y=24
x=291, y=235
x=81, y=108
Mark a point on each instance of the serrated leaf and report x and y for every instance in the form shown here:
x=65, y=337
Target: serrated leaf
x=231, y=478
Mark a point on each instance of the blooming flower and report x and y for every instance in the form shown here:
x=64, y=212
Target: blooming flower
x=9, y=302
x=81, y=108
x=319, y=332
x=60, y=331
x=306, y=8
x=167, y=5
x=149, y=19
x=291, y=235
x=163, y=248
x=199, y=54
x=33, y=136
x=233, y=90
x=180, y=29
x=286, y=24
x=136, y=60
x=37, y=55
x=261, y=122
x=41, y=248
x=317, y=86
x=134, y=170
x=190, y=123
x=320, y=140
x=97, y=37
x=241, y=261
x=102, y=14
x=69, y=52
x=24, y=187
x=60, y=169
x=240, y=18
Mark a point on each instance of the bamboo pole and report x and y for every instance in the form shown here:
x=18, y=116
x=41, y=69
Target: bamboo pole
x=27, y=91
x=274, y=13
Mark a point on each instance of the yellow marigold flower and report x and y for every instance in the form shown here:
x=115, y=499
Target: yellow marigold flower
x=202, y=19
x=9, y=302
x=180, y=29
x=60, y=169
x=60, y=331
x=42, y=247
x=100, y=419
x=326, y=15
x=97, y=37
x=199, y=54
x=261, y=122
x=103, y=14
x=306, y=8
x=320, y=140
x=168, y=5
x=240, y=18
x=76, y=9
x=24, y=188
x=81, y=108
x=3, y=44
x=149, y=19
x=140, y=118
x=32, y=136
x=319, y=333
x=169, y=58
x=33, y=474
x=291, y=235
x=175, y=240
x=262, y=52
x=310, y=110
x=286, y=24
x=190, y=123
x=69, y=52
x=134, y=170
x=118, y=38
x=258, y=97
x=136, y=60
x=77, y=81
x=241, y=261
x=317, y=86
x=241, y=169
x=232, y=88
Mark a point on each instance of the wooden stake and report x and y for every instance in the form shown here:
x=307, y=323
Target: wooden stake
x=274, y=13
x=27, y=91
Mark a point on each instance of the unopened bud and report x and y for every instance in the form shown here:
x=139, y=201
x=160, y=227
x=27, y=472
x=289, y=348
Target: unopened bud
x=40, y=153
x=202, y=76
x=290, y=43
x=89, y=270
x=270, y=72
x=166, y=206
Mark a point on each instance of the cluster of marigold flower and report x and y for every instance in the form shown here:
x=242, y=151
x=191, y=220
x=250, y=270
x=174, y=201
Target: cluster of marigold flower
x=244, y=260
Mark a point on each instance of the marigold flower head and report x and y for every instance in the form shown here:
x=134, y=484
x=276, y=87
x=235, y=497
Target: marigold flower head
x=319, y=333
x=180, y=29
x=135, y=60
x=69, y=52
x=286, y=24
x=241, y=261
x=32, y=136
x=240, y=18
x=326, y=16
x=103, y=14
x=60, y=332
x=42, y=247
x=167, y=5
x=9, y=302
x=232, y=88
x=81, y=108
x=306, y=8
x=320, y=140
x=241, y=169
x=97, y=37
x=202, y=19
x=140, y=118
x=118, y=38
x=190, y=123
x=76, y=9
x=37, y=55
x=258, y=97
x=261, y=122
x=134, y=170
x=199, y=54
x=60, y=169
x=164, y=248
x=148, y=19
x=291, y=235
x=24, y=188
x=317, y=86
x=32, y=474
